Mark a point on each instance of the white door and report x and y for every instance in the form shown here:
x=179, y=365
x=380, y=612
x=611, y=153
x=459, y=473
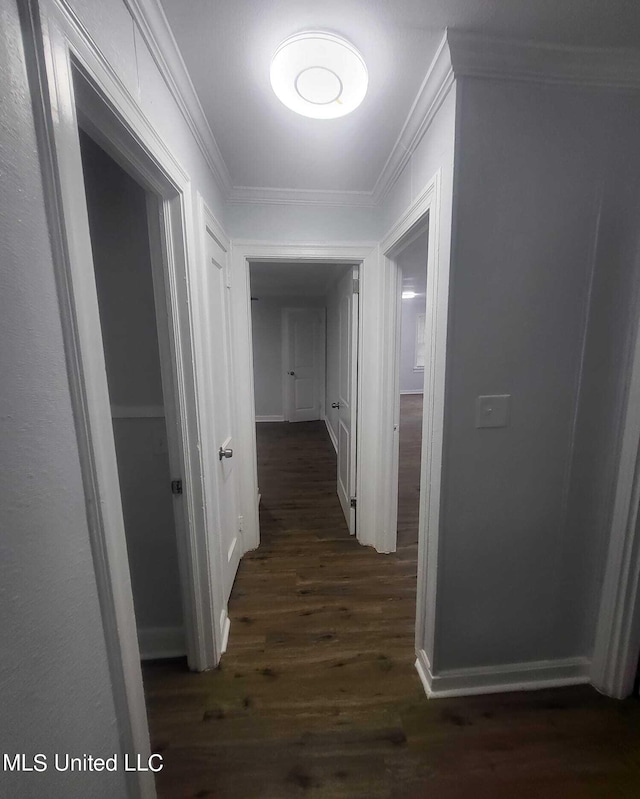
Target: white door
x=221, y=407
x=347, y=394
x=304, y=362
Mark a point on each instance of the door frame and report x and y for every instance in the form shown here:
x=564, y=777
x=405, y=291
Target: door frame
x=319, y=343
x=425, y=213
x=57, y=48
x=367, y=414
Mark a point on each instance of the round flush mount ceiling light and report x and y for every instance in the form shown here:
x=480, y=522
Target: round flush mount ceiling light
x=319, y=75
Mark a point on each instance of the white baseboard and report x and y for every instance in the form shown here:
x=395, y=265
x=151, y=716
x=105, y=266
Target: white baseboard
x=411, y=391
x=161, y=642
x=276, y=418
x=332, y=435
x=531, y=676
x=225, y=626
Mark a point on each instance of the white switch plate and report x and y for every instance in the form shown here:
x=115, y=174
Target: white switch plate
x=493, y=410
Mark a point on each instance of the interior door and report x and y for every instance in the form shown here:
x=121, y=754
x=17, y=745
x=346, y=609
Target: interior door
x=221, y=408
x=347, y=395
x=303, y=379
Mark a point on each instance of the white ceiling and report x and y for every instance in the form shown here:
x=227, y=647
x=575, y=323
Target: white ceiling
x=227, y=47
x=290, y=279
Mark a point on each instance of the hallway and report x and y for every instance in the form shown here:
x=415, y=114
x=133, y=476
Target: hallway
x=308, y=697
x=317, y=694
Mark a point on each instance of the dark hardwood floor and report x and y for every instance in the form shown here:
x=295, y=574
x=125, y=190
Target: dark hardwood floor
x=409, y=475
x=317, y=695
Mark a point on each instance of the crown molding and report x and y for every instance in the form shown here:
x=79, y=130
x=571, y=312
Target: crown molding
x=460, y=54
x=274, y=196
x=473, y=55
x=431, y=94
x=156, y=32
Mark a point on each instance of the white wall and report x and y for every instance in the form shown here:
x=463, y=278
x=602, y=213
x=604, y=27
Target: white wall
x=268, y=369
x=56, y=688
x=611, y=324
x=411, y=379
x=302, y=223
x=120, y=242
x=55, y=682
x=519, y=565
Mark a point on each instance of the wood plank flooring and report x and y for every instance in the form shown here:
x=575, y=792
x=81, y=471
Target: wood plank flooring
x=317, y=695
x=409, y=475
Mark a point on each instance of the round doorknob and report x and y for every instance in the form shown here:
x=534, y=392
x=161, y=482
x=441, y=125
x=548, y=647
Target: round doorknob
x=292, y=374
x=225, y=453
x=335, y=404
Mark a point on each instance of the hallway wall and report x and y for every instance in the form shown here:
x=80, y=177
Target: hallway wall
x=56, y=686
x=53, y=670
x=520, y=562
x=303, y=223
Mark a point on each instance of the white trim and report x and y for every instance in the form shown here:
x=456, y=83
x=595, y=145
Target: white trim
x=137, y=412
x=506, y=59
x=411, y=390
x=266, y=195
x=369, y=487
x=225, y=626
x=531, y=676
x=431, y=94
x=332, y=435
x=420, y=326
x=617, y=641
x=458, y=54
x=425, y=210
x=157, y=643
x=158, y=36
x=273, y=418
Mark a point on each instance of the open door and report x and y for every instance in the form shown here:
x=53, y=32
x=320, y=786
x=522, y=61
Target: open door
x=217, y=288
x=348, y=298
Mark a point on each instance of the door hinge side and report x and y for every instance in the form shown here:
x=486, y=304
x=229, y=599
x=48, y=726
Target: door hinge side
x=176, y=486
x=356, y=285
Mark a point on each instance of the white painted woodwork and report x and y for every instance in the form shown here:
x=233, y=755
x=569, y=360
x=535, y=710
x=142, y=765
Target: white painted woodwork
x=216, y=291
x=348, y=304
x=303, y=351
x=369, y=489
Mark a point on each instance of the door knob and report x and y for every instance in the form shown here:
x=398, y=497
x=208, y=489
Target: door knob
x=225, y=453
x=292, y=374
x=335, y=404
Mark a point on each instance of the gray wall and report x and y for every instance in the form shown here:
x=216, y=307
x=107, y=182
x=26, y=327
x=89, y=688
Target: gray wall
x=412, y=262
x=411, y=379
x=120, y=242
x=266, y=320
x=54, y=680
x=611, y=325
x=57, y=692
x=520, y=565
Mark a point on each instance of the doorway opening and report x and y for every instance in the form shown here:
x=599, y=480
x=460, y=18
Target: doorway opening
x=304, y=318
x=134, y=347
x=411, y=263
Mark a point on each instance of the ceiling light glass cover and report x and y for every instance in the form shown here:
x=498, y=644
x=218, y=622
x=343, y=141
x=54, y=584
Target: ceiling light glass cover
x=319, y=75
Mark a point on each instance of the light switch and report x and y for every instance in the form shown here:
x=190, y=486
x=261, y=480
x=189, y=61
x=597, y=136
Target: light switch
x=493, y=410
